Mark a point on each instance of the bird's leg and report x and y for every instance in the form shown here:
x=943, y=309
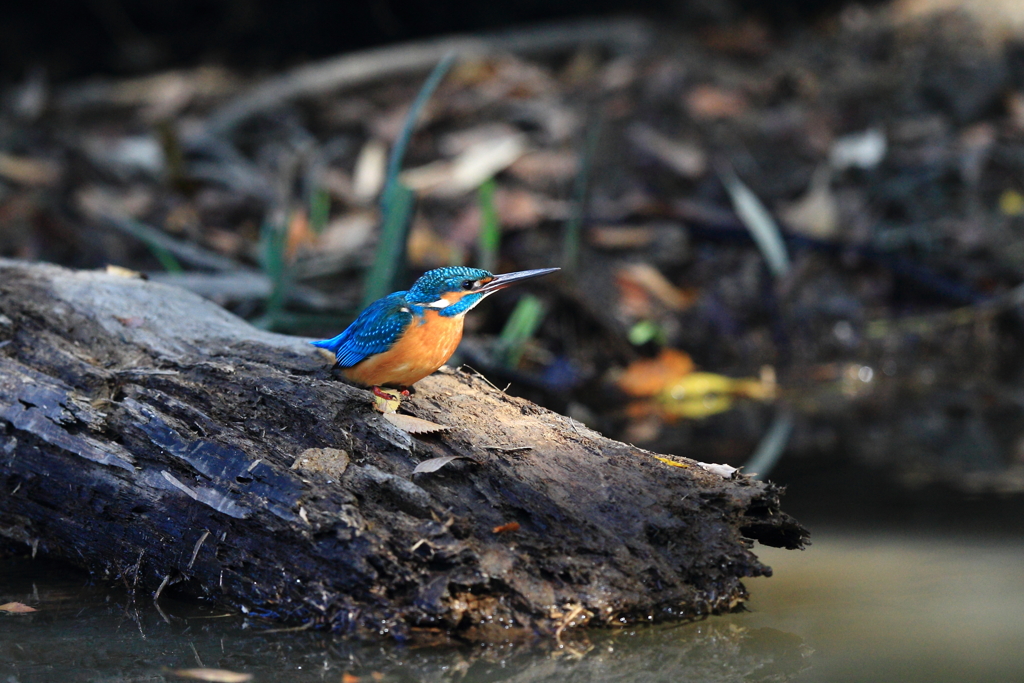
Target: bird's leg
x=380, y=393
x=384, y=402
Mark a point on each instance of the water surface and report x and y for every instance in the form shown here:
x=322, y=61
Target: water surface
x=853, y=607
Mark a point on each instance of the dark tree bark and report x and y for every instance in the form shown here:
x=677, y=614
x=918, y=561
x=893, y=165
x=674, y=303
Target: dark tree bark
x=148, y=435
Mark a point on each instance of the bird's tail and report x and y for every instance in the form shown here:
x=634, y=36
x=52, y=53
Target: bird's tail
x=331, y=345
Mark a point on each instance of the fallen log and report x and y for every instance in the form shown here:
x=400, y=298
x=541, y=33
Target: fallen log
x=151, y=437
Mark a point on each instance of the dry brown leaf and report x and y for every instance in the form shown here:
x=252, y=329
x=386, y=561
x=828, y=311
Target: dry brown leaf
x=29, y=171
x=459, y=141
x=815, y=214
x=519, y=209
x=120, y=271
x=467, y=171
x=1015, y=108
x=98, y=202
x=999, y=19
x=17, y=608
x=725, y=471
x=506, y=528
x=414, y=425
x=347, y=234
x=685, y=158
x=425, y=249
x=213, y=675
x=651, y=280
x=370, y=171
x=621, y=236
x=650, y=376
x=545, y=167
x=434, y=464
x=711, y=102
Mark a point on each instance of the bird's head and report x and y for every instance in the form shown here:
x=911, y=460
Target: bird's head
x=456, y=289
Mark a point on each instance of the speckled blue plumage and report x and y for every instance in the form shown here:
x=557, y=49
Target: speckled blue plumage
x=376, y=329
x=384, y=321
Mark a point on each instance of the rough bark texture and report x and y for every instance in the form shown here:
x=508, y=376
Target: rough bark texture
x=149, y=435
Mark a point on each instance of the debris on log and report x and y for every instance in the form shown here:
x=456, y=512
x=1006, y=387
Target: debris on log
x=149, y=436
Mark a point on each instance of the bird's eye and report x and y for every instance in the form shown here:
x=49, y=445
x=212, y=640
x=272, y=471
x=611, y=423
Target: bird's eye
x=467, y=284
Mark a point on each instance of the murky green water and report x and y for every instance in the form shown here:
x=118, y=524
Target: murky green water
x=854, y=607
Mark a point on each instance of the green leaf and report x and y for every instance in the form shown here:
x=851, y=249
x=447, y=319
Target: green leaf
x=520, y=328
x=489, y=240
x=645, y=331
x=399, y=202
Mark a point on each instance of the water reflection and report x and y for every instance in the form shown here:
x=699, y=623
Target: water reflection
x=92, y=633
x=851, y=608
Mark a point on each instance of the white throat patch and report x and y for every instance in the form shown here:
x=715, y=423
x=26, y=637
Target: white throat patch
x=440, y=303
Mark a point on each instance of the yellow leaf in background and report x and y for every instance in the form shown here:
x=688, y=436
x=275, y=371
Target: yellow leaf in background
x=698, y=385
x=670, y=461
x=698, y=408
x=701, y=394
x=754, y=388
x=1011, y=203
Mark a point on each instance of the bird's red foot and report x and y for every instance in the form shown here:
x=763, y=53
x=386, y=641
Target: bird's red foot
x=384, y=402
x=380, y=393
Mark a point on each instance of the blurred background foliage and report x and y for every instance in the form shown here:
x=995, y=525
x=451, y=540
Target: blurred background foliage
x=785, y=228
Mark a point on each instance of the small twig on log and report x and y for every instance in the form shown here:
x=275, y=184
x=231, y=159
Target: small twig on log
x=199, y=544
x=163, y=584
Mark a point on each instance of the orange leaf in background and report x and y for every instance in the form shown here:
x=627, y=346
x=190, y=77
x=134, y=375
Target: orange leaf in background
x=711, y=102
x=650, y=376
x=639, y=410
x=349, y=678
x=510, y=526
x=17, y=608
x=299, y=233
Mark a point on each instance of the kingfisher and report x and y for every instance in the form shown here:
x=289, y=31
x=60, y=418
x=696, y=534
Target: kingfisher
x=400, y=339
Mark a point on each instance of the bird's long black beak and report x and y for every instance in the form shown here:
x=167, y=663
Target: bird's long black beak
x=506, y=279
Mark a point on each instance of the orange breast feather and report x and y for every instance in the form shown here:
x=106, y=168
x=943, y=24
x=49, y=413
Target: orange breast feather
x=428, y=343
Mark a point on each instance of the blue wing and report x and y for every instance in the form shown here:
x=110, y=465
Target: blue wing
x=375, y=330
